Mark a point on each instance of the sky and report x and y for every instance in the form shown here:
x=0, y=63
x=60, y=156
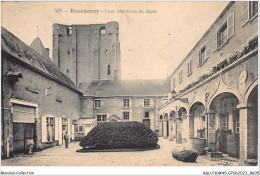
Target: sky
x=154, y=40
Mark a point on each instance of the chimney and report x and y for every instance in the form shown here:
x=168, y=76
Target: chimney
x=48, y=51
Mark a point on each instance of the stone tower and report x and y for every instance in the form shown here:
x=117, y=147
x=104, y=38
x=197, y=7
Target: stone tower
x=87, y=52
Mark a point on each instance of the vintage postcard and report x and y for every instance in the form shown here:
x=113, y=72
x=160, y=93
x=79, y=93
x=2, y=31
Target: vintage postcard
x=171, y=85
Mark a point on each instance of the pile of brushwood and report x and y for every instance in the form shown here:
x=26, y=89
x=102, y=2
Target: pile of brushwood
x=120, y=135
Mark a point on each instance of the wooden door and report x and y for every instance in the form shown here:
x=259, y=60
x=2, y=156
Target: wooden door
x=18, y=137
x=146, y=123
x=22, y=132
x=224, y=124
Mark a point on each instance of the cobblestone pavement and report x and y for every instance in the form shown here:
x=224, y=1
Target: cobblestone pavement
x=59, y=156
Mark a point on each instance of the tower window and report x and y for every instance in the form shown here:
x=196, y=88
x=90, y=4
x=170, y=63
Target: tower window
x=106, y=51
x=69, y=30
x=103, y=30
x=108, y=69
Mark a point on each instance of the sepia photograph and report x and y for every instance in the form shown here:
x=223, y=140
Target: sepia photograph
x=124, y=85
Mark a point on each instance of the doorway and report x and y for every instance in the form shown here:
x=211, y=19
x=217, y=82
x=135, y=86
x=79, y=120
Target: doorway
x=146, y=123
x=22, y=132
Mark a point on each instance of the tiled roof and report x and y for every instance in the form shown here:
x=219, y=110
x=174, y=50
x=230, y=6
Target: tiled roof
x=15, y=47
x=106, y=88
x=38, y=46
x=84, y=121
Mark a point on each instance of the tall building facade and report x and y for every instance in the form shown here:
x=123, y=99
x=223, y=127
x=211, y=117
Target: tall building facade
x=213, y=100
x=38, y=100
x=87, y=52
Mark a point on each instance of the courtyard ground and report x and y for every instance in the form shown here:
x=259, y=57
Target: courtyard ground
x=59, y=156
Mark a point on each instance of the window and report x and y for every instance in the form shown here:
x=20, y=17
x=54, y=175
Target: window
x=253, y=9
x=189, y=68
x=108, y=69
x=249, y=11
x=146, y=114
x=97, y=104
x=146, y=102
x=222, y=35
x=64, y=121
x=180, y=76
x=202, y=55
x=173, y=83
x=101, y=118
x=125, y=103
x=225, y=122
x=103, y=30
x=80, y=128
x=69, y=30
x=106, y=51
x=237, y=124
x=50, y=129
x=126, y=115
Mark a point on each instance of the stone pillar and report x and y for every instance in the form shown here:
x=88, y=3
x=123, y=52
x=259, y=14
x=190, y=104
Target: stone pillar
x=165, y=129
x=191, y=126
x=160, y=128
x=206, y=130
x=243, y=130
x=171, y=128
x=186, y=128
x=179, y=130
x=211, y=130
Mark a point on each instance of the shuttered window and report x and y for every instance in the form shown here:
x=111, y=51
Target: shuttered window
x=56, y=128
x=50, y=129
x=69, y=129
x=230, y=26
x=60, y=131
x=245, y=12
x=224, y=33
x=249, y=11
x=253, y=8
x=180, y=76
x=202, y=55
x=189, y=68
x=44, y=129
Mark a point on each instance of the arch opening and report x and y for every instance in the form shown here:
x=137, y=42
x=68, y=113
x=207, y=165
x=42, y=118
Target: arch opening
x=224, y=124
x=252, y=125
x=166, y=126
x=197, y=121
x=173, y=125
